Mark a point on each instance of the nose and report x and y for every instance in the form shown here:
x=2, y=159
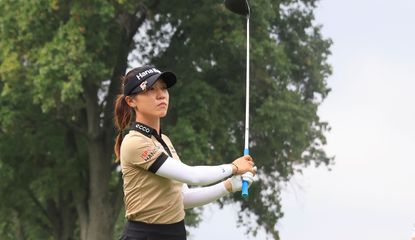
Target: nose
x=161, y=93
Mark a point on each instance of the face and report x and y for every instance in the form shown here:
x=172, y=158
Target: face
x=153, y=102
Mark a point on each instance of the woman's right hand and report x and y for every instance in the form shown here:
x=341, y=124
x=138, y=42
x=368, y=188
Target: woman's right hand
x=243, y=164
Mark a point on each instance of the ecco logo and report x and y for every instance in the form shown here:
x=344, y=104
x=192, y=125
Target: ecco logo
x=146, y=72
x=142, y=128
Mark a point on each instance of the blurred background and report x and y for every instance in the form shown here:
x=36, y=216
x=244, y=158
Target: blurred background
x=369, y=193
x=331, y=114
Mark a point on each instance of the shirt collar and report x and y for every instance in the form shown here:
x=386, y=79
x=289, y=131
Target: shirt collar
x=145, y=129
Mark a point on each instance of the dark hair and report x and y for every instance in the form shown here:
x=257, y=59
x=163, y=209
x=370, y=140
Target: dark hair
x=122, y=116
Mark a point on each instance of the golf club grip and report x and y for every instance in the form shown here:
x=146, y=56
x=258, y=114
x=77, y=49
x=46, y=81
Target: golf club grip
x=245, y=183
x=245, y=189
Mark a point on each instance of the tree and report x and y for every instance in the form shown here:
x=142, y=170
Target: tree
x=69, y=56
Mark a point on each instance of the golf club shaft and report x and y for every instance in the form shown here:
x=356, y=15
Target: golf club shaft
x=246, y=149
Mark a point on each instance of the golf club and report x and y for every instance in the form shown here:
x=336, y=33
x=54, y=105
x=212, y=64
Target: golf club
x=241, y=7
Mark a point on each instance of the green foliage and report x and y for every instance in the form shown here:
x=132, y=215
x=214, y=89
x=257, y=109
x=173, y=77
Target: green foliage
x=37, y=169
x=60, y=63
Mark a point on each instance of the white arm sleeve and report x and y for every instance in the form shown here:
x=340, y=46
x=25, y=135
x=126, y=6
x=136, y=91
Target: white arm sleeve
x=193, y=175
x=196, y=197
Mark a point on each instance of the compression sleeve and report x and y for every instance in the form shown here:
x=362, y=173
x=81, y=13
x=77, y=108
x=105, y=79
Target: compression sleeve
x=193, y=175
x=196, y=197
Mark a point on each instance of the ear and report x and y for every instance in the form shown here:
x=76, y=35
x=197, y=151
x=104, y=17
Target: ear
x=131, y=101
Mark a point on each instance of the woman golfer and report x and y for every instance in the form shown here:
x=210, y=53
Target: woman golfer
x=155, y=180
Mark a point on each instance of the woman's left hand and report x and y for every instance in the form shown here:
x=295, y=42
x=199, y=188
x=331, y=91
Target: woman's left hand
x=235, y=182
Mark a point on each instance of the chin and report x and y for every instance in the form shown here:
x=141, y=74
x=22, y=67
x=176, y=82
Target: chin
x=163, y=114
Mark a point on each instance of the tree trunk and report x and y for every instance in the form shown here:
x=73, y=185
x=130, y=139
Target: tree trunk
x=101, y=219
x=97, y=217
x=99, y=207
x=19, y=232
x=62, y=217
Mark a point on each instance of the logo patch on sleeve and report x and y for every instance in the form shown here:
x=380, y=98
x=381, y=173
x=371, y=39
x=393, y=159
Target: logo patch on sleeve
x=149, y=153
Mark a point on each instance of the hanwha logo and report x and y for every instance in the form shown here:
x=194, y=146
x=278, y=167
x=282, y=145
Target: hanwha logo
x=143, y=128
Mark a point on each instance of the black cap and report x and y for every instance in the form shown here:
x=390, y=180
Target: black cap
x=141, y=78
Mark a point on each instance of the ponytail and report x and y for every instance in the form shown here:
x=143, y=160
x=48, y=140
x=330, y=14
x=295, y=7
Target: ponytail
x=122, y=118
x=122, y=113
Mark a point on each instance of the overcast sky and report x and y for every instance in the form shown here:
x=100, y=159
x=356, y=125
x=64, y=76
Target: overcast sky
x=370, y=193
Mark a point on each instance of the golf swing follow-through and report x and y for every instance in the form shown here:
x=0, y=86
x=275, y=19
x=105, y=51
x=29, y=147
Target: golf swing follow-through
x=155, y=180
x=241, y=7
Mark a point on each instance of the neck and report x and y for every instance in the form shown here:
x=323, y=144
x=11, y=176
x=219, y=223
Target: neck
x=150, y=121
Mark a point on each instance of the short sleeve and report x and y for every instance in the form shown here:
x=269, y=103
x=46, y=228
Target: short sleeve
x=142, y=152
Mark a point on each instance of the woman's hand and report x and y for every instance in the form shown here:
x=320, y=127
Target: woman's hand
x=243, y=164
x=234, y=184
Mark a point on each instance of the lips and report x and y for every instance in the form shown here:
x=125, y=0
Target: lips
x=162, y=104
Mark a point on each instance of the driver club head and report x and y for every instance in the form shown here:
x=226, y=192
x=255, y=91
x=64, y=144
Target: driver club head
x=240, y=7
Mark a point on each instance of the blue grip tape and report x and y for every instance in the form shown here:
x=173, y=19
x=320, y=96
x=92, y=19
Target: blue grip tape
x=245, y=183
x=244, y=189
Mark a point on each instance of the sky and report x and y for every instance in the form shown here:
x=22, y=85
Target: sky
x=369, y=192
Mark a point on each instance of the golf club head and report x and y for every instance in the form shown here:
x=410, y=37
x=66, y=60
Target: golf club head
x=240, y=7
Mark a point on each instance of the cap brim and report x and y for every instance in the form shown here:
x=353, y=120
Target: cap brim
x=168, y=77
